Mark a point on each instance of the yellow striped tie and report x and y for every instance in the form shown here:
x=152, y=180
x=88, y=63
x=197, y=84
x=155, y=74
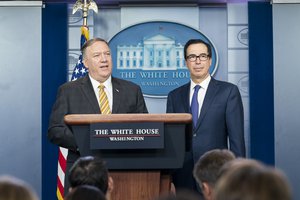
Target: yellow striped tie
x=104, y=105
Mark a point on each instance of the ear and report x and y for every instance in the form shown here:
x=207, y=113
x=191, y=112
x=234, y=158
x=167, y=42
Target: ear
x=110, y=188
x=84, y=62
x=172, y=188
x=186, y=62
x=110, y=184
x=207, y=191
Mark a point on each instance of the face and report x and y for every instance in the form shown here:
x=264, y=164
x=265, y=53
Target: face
x=199, y=70
x=98, y=60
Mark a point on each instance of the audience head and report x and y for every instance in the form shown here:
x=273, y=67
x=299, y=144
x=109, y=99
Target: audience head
x=89, y=171
x=237, y=163
x=183, y=194
x=12, y=188
x=252, y=181
x=207, y=169
x=85, y=192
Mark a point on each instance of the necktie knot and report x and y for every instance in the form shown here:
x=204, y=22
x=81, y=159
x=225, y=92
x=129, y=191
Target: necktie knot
x=197, y=87
x=101, y=86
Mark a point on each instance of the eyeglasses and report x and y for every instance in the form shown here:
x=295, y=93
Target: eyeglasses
x=193, y=57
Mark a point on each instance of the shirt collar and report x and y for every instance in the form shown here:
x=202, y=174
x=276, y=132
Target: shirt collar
x=203, y=84
x=107, y=83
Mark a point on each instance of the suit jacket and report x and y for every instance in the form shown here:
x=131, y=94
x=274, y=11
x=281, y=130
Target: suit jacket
x=78, y=97
x=221, y=117
x=221, y=120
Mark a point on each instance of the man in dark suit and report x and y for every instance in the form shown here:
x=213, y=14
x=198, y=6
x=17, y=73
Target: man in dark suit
x=83, y=96
x=216, y=108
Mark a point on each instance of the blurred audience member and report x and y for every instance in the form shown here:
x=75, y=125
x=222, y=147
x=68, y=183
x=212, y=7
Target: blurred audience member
x=207, y=169
x=239, y=162
x=182, y=194
x=91, y=171
x=85, y=192
x=12, y=188
x=250, y=180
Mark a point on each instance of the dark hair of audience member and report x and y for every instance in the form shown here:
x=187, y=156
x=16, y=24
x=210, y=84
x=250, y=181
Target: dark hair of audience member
x=208, y=166
x=182, y=194
x=89, y=171
x=252, y=182
x=12, y=188
x=237, y=163
x=85, y=192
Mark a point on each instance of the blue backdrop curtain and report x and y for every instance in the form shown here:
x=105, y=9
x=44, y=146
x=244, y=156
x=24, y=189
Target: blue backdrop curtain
x=54, y=73
x=261, y=81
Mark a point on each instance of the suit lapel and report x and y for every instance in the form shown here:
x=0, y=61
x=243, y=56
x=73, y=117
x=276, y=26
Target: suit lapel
x=208, y=99
x=186, y=98
x=116, y=87
x=88, y=91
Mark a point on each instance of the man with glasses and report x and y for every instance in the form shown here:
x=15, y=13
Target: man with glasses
x=216, y=107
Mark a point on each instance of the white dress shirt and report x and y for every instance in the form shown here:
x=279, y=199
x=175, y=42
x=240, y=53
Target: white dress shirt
x=202, y=91
x=108, y=90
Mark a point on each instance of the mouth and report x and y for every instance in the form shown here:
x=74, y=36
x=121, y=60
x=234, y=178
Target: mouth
x=104, y=66
x=198, y=68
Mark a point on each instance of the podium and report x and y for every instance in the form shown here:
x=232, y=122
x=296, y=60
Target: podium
x=138, y=159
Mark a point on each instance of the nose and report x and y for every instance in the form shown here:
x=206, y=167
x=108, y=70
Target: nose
x=198, y=59
x=103, y=57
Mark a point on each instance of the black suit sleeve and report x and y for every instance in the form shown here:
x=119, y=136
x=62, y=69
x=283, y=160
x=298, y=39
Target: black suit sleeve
x=235, y=122
x=58, y=132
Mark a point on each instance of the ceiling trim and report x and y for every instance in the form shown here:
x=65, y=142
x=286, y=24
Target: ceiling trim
x=21, y=3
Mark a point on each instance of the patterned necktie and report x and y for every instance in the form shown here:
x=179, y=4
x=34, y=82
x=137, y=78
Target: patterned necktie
x=104, y=105
x=195, y=105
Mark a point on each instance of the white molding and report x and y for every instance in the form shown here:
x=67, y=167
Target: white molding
x=21, y=3
x=285, y=1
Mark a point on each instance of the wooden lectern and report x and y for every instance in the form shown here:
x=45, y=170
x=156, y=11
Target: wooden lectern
x=138, y=173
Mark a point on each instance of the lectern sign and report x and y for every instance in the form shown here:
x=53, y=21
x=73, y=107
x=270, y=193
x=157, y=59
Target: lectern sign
x=147, y=135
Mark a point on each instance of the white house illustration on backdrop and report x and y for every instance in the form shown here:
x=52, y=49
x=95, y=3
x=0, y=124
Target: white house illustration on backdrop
x=157, y=52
